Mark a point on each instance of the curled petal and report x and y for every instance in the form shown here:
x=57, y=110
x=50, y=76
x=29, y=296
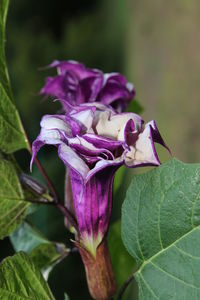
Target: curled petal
x=60, y=87
x=116, y=91
x=143, y=152
x=77, y=68
x=84, y=116
x=46, y=137
x=91, y=160
x=102, y=142
x=55, y=122
x=82, y=146
x=156, y=136
x=76, y=126
x=73, y=161
x=116, y=77
x=54, y=131
x=90, y=88
x=104, y=164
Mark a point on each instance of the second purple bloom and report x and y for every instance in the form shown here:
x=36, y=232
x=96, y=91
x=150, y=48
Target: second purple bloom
x=76, y=84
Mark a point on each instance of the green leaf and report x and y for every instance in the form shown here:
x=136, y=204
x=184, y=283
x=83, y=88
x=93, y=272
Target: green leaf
x=12, y=136
x=13, y=206
x=161, y=230
x=21, y=280
x=123, y=264
x=3, y=69
x=26, y=238
x=44, y=254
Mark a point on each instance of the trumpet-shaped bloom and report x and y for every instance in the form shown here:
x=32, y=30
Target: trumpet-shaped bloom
x=93, y=141
x=76, y=84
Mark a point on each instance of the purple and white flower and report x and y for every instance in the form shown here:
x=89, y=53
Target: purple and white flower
x=93, y=141
x=75, y=84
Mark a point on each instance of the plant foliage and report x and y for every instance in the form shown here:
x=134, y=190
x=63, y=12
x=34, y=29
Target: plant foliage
x=161, y=230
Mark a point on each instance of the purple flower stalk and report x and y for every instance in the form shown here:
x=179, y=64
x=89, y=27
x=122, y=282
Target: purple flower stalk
x=75, y=84
x=93, y=141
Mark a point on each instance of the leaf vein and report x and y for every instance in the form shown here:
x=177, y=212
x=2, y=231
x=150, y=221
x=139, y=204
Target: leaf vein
x=175, y=277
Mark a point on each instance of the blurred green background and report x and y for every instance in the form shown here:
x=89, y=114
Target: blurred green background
x=154, y=43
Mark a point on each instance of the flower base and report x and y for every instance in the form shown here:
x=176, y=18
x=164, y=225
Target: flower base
x=100, y=276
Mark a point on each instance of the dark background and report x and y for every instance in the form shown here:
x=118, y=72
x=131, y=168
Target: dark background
x=154, y=43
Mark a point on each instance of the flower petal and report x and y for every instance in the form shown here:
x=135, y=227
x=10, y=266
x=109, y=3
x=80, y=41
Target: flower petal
x=77, y=84
x=77, y=68
x=55, y=122
x=46, y=137
x=102, y=142
x=82, y=146
x=116, y=91
x=113, y=126
x=103, y=164
x=84, y=116
x=93, y=211
x=69, y=203
x=90, y=88
x=157, y=138
x=73, y=161
x=143, y=153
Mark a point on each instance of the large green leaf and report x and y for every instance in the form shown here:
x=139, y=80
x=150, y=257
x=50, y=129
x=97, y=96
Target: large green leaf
x=161, y=230
x=44, y=254
x=13, y=206
x=20, y=279
x=12, y=136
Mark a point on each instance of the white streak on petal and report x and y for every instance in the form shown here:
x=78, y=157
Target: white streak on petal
x=53, y=122
x=73, y=160
x=50, y=137
x=85, y=117
x=107, y=76
x=81, y=141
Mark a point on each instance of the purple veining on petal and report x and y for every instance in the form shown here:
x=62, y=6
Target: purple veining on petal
x=82, y=146
x=116, y=92
x=94, y=209
x=84, y=116
x=69, y=202
x=102, y=142
x=90, y=87
x=77, y=128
